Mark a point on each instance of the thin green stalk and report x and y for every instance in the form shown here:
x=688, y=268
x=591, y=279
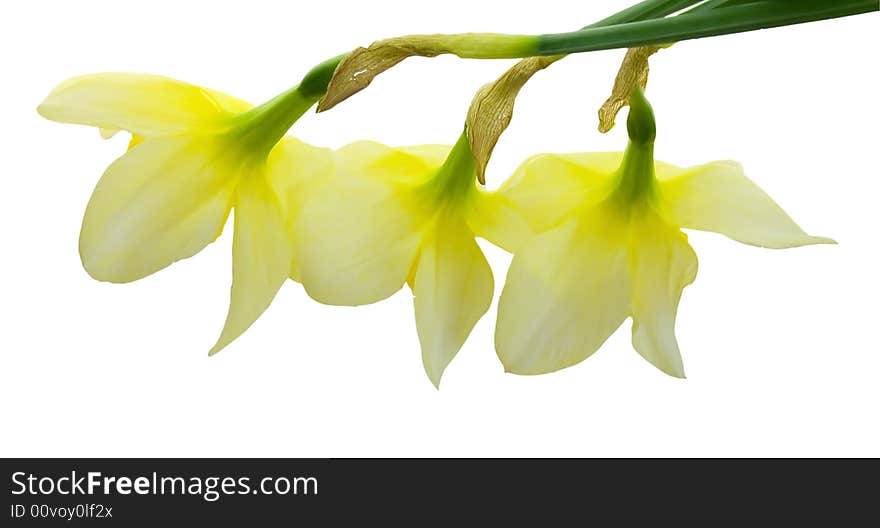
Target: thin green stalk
x=657, y=9
x=709, y=18
x=699, y=24
x=645, y=11
x=314, y=83
x=715, y=4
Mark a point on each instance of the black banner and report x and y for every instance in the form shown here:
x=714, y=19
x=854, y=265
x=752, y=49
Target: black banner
x=260, y=492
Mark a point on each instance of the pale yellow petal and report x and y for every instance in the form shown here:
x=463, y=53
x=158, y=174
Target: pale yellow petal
x=227, y=103
x=663, y=263
x=261, y=256
x=718, y=197
x=375, y=161
x=567, y=290
x=146, y=105
x=296, y=171
x=159, y=203
x=548, y=187
x=431, y=155
x=667, y=171
x=453, y=289
x=358, y=237
x=135, y=141
x=493, y=216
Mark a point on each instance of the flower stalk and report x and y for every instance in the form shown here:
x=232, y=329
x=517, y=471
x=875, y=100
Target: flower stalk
x=700, y=24
x=358, y=69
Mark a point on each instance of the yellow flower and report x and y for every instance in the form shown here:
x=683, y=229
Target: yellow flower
x=397, y=215
x=195, y=155
x=609, y=246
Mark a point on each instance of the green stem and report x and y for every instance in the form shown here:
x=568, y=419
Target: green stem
x=699, y=24
x=456, y=176
x=315, y=82
x=640, y=124
x=266, y=124
x=643, y=24
x=263, y=126
x=646, y=10
x=635, y=176
x=714, y=4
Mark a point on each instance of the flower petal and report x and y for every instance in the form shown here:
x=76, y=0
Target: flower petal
x=494, y=217
x=546, y=188
x=431, y=155
x=404, y=165
x=261, y=255
x=567, y=290
x=358, y=237
x=718, y=197
x=296, y=171
x=227, y=103
x=161, y=202
x=663, y=263
x=146, y=105
x=453, y=289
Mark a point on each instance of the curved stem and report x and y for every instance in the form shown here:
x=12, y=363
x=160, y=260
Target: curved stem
x=699, y=24
x=645, y=11
x=314, y=83
x=627, y=29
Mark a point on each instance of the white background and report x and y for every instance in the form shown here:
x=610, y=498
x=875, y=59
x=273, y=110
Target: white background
x=780, y=346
